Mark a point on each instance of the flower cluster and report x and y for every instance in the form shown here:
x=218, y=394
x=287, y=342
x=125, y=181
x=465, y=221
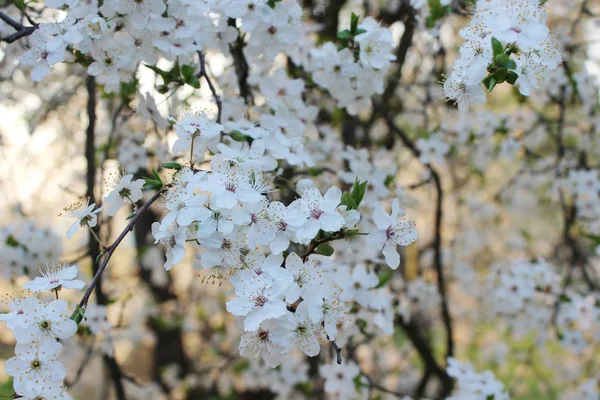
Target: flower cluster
x=505, y=41
x=115, y=37
x=352, y=75
x=474, y=385
x=24, y=245
x=285, y=302
x=525, y=294
x=293, y=187
x=39, y=328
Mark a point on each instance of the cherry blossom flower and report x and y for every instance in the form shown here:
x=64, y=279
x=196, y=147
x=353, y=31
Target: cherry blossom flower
x=55, y=275
x=314, y=212
x=85, y=215
x=34, y=367
x=44, y=320
x=124, y=190
x=392, y=230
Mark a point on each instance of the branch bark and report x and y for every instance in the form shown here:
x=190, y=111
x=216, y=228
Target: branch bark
x=21, y=30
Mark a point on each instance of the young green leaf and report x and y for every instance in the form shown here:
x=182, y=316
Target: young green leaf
x=325, y=250
x=172, y=165
x=497, y=47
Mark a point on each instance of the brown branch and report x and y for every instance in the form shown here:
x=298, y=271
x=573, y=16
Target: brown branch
x=241, y=64
x=437, y=240
x=21, y=30
x=111, y=249
x=93, y=245
x=382, y=388
x=338, y=351
x=204, y=74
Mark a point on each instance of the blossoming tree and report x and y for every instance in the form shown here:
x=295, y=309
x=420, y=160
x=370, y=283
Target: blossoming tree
x=320, y=201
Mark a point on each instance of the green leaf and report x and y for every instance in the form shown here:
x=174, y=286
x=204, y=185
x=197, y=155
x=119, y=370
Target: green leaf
x=490, y=82
x=501, y=59
x=238, y=136
x=344, y=35
x=351, y=232
x=353, y=23
x=500, y=75
x=512, y=77
x=359, y=31
x=156, y=176
x=193, y=82
x=325, y=250
x=159, y=71
x=358, y=191
x=128, y=89
x=430, y=21
x=563, y=298
x=313, y=171
x=511, y=64
x=497, y=47
x=384, y=277
x=389, y=180
x=348, y=201
x=172, y=165
x=152, y=184
x=187, y=71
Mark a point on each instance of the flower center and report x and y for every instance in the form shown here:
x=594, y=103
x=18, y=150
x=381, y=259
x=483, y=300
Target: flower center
x=281, y=226
x=230, y=187
x=260, y=301
x=263, y=335
x=226, y=244
x=315, y=213
x=390, y=233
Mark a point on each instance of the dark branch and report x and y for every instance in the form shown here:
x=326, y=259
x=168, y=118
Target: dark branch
x=203, y=73
x=21, y=30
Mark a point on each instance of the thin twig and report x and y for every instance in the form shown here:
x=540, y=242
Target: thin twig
x=338, y=351
x=111, y=249
x=381, y=388
x=203, y=73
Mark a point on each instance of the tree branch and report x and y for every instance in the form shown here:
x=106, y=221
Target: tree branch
x=203, y=73
x=111, y=249
x=21, y=30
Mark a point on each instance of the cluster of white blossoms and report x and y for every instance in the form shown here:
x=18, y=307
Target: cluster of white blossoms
x=244, y=234
x=25, y=245
x=355, y=73
x=305, y=225
x=584, y=186
x=506, y=41
x=38, y=328
x=115, y=37
x=522, y=285
x=286, y=302
x=474, y=385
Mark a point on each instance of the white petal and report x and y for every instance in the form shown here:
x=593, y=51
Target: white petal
x=392, y=258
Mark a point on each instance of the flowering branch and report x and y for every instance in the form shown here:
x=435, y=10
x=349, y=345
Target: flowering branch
x=111, y=249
